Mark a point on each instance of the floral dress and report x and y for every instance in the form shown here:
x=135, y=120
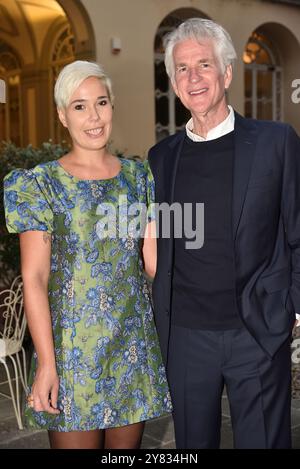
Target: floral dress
x=107, y=352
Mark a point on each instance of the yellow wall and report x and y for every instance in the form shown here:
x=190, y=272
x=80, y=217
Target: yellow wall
x=30, y=28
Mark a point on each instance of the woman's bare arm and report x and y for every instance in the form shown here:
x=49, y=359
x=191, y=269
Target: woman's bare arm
x=35, y=266
x=150, y=249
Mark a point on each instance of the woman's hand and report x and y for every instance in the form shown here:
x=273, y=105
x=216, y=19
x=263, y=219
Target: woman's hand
x=44, y=392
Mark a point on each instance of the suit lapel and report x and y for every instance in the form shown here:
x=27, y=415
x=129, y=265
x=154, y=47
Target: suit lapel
x=244, y=151
x=171, y=164
x=170, y=170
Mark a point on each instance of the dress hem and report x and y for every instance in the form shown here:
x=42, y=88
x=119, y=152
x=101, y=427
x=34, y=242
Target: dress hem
x=77, y=429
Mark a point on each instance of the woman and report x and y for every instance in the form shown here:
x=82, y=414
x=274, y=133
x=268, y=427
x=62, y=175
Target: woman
x=97, y=373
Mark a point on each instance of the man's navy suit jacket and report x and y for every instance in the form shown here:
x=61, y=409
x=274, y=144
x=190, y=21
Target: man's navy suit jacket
x=265, y=226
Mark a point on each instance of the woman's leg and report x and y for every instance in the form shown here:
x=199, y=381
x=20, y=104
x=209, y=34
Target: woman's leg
x=128, y=437
x=93, y=439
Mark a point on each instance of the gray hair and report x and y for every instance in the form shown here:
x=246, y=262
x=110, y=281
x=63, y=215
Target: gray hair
x=72, y=75
x=199, y=29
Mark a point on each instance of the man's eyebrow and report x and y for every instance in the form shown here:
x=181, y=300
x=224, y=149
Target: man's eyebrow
x=200, y=61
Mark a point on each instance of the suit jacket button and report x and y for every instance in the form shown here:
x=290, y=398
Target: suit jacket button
x=169, y=273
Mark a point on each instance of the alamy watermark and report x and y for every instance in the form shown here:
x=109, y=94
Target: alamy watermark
x=296, y=93
x=125, y=220
x=296, y=351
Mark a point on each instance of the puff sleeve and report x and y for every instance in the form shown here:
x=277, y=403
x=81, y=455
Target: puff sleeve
x=26, y=207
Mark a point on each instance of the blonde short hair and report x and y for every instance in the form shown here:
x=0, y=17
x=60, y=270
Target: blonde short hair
x=72, y=75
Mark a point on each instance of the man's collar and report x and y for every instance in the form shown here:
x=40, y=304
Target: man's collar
x=226, y=126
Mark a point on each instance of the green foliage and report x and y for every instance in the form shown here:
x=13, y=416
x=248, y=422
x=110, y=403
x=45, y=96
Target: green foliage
x=12, y=157
x=122, y=154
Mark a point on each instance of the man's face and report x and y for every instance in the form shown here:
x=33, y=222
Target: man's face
x=199, y=81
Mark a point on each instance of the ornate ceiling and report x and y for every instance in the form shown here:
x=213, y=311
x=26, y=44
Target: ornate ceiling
x=24, y=24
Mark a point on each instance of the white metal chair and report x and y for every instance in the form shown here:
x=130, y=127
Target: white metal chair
x=12, y=331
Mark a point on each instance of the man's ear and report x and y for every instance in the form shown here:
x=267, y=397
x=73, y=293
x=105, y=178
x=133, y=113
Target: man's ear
x=228, y=76
x=62, y=117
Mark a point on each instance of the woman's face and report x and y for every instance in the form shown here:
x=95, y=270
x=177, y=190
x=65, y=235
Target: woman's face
x=88, y=116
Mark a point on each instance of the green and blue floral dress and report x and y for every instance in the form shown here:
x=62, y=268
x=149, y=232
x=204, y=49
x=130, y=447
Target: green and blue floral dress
x=107, y=351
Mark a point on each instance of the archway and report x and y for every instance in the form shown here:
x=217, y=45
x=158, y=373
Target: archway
x=270, y=61
x=84, y=37
x=47, y=34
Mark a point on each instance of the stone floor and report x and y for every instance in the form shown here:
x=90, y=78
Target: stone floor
x=158, y=433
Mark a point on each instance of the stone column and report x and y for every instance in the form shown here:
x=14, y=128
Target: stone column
x=2, y=91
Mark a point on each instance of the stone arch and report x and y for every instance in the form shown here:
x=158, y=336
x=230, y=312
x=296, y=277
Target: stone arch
x=84, y=44
x=286, y=50
x=34, y=30
x=78, y=23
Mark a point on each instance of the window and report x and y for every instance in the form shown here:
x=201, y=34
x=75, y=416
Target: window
x=170, y=114
x=263, y=78
x=62, y=54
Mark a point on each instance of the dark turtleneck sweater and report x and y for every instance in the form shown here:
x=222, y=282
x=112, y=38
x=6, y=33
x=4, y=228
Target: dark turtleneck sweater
x=204, y=279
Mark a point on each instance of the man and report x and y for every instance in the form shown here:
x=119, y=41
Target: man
x=225, y=311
